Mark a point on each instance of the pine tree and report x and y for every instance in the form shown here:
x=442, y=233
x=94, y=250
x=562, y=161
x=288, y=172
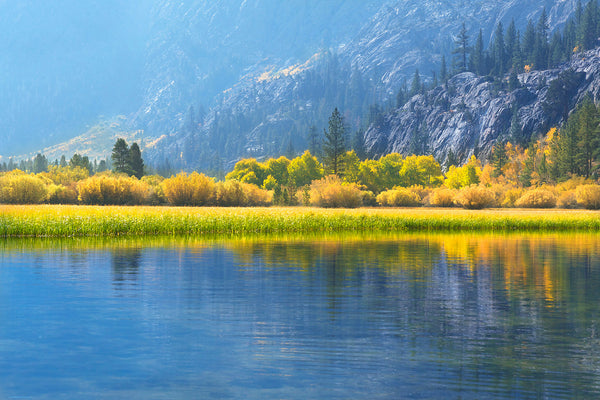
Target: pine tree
x=516, y=132
x=40, y=164
x=334, y=146
x=567, y=148
x=80, y=161
x=556, y=50
x=290, y=152
x=120, y=157
x=443, y=70
x=511, y=44
x=589, y=26
x=513, y=81
x=461, y=51
x=498, y=52
x=314, y=141
x=540, y=51
x=517, y=58
x=102, y=166
x=528, y=43
x=135, y=161
x=451, y=159
x=415, y=86
x=587, y=136
x=477, y=61
x=528, y=166
x=358, y=144
x=499, y=158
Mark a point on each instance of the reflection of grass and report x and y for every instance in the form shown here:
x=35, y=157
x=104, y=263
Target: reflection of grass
x=64, y=221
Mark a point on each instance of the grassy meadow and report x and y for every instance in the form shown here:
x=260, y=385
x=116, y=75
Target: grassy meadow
x=79, y=221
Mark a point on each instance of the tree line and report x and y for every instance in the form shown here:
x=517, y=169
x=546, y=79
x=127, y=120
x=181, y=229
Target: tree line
x=124, y=159
x=512, y=52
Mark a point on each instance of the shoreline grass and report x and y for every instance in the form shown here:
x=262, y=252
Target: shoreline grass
x=81, y=221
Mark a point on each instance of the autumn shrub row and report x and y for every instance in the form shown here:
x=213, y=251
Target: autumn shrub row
x=76, y=187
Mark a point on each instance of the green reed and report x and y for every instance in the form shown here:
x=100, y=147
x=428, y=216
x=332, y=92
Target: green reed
x=63, y=221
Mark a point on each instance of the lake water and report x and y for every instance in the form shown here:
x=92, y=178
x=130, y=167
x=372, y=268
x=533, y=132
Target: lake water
x=347, y=317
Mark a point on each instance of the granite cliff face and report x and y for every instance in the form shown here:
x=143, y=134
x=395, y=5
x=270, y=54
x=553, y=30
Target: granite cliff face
x=468, y=115
x=405, y=35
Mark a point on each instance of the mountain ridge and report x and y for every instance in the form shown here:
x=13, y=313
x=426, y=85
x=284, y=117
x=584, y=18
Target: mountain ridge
x=204, y=110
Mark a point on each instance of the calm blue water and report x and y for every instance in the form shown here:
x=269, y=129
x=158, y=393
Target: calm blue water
x=462, y=317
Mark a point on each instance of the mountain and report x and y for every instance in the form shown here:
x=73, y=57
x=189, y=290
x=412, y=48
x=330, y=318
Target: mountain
x=63, y=63
x=202, y=48
x=469, y=113
x=270, y=110
x=209, y=82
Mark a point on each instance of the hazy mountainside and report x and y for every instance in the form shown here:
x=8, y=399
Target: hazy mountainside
x=201, y=48
x=468, y=115
x=62, y=64
x=409, y=34
x=267, y=114
x=209, y=82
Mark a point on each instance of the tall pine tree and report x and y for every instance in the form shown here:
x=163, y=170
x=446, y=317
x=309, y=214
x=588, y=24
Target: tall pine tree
x=461, y=51
x=334, y=145
x=135, y=162
x=120, y=157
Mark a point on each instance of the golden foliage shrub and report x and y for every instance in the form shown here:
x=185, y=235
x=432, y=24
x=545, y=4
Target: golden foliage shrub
x=236, y=194
x=588, y=196
x=256, y=196
x=475, y=197
x=67, y=175
x=189, y=190
x=421, y=191
x=510, y=197
x=332, y=192
x=573, y=183
x=537, y=198
x=157, y=195
x=399, y=197
x=106, y=189
x=60, y=194
x=368, y=198
x=442, y=197
x=229, y=194
x=17, y=187
x=567, y=199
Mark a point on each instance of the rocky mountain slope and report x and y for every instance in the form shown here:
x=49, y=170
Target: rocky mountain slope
x=199, y=49
x=468, y=114
x=270, y=110
x=211, y=82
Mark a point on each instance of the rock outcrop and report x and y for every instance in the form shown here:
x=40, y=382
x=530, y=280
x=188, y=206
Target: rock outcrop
x=469, y=114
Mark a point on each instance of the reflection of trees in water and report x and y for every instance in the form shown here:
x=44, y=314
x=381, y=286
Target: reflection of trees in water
x=125, y=265
x=461, y=290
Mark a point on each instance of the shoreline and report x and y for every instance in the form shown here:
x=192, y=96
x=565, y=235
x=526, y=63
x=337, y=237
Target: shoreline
x=112, y=221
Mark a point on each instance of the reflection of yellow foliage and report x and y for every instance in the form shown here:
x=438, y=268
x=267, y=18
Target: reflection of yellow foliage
x=528, y=67
x=548, y=284
x=525, y=265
